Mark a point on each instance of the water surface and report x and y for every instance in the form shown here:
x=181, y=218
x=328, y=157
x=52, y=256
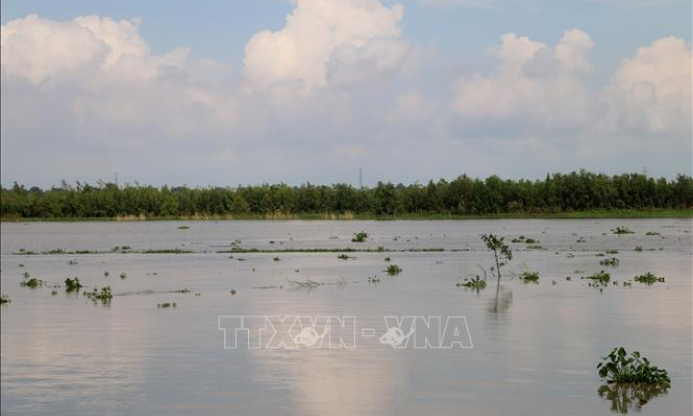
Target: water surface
x=535, y=345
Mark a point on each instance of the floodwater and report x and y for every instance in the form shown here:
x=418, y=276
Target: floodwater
x=535, y=346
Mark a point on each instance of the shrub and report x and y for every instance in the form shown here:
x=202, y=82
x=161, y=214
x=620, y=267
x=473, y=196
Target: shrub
x=501, y=252
x=602, y=277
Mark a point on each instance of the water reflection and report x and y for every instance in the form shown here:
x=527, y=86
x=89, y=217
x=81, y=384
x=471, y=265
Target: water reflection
x=625, y=397
x=501, y=301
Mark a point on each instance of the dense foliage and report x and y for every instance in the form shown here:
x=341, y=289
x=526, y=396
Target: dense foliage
x=577, y=191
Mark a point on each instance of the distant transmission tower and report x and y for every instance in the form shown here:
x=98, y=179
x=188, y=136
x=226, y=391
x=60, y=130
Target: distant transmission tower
x=360, y=178
x=116, y=179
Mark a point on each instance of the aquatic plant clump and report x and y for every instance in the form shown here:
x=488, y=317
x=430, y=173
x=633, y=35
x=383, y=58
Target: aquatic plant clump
x=393, y=270
x=166, y=305
x=104, y=295
x=528, y=277
x=648, y=279
x=612, y=262
x=475, y=282
x=622, y=230
x=30, y=282
x=617, y=367
x=72, y=284
x=602, y=277
x=360, y=237
x=4, y=299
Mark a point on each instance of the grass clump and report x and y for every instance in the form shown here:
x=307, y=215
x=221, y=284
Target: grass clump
x=30, y=282
x=4, y=299
x=652, y=233
x=104, y=295
x=617, y=367
x=343, y=257
x=528, y=276
x=393, y=270
x=476, y=283
x=123, y=275
x=621, y=230
x=359, y=237
x=166, y=305
x=72, y=284
x=612, y=262
x=602, y=278
x=648, y=279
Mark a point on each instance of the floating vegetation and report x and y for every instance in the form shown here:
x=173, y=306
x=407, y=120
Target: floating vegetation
x=72, y=284
x=106, y=273
x=166, y=305
x=581, y=240
x=343, y=257
x=232, y=291
x=648, y=279
x=568, y=278
x=167, y=251
x=123, y=275
x=529, y=276
x=31, y=282
x=186, y=290
x=476, y=283
x=621, y=230
x=650, y=233
x=393, y=270
x=308, y=283
x=374, y=279
x=104, y=295
x=612, y=262
x=183, y=227
x=71, y=262
x=616, y=367
x=4, y=299
x=531, y=241
x=637, y=248
x=360, y=237
x=535, y=247
x=601, y=278
x=387, y=259
x=611, y=251
x=54, y=292
x=276, y=259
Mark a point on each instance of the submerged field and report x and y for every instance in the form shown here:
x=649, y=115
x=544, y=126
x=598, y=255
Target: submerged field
x=535, y=344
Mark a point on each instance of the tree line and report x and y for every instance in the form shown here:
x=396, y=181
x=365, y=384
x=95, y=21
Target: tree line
x=557, y=193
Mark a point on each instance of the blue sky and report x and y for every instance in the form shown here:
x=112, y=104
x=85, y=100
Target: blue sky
x=433, y=50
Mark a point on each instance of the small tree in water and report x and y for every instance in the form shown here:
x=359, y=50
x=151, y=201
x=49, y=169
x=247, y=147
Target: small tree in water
x=501, y=252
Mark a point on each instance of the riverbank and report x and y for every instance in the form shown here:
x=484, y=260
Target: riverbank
x=658, y=213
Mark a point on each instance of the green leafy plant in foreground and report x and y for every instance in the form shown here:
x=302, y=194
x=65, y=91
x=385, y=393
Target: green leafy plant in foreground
x=648, y=279
x=617, y=367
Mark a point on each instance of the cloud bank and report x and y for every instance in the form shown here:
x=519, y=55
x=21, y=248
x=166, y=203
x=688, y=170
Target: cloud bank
x=337, y=88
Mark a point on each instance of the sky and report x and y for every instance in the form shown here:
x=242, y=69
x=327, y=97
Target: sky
x=229, y=92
